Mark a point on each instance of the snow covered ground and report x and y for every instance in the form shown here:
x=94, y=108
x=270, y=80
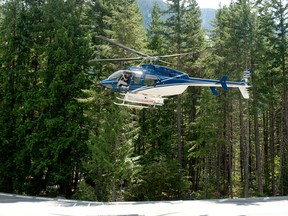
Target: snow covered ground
x=15, y=205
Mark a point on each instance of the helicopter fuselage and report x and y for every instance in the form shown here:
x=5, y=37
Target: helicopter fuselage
x=159, y=81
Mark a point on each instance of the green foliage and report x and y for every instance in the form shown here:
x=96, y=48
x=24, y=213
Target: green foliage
x=155, y=31
x=146, y=6
x=160, y=180
x=61, y=134
x=44, y=61
x=84, y=192
x=126, y=27
x=183, y=26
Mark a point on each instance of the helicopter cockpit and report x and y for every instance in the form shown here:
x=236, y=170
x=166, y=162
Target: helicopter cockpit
x=125, y=77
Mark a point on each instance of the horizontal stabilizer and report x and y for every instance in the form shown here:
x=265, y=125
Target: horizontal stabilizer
x=244, y=92
x=223, y=82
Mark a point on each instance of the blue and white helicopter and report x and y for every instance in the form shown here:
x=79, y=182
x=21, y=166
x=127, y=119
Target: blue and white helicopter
x=148, y=85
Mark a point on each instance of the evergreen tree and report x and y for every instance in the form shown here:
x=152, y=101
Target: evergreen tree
x=236, y=23
x=184, y=33
x=14, y=54
x=271, y=90
x=46, y=60
x=155, y=31
x=63, y=79
x=126, y=26
x=280, y=17
x=111, y=147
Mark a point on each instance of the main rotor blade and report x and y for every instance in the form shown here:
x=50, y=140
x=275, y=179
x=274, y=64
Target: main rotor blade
x=175, y=55
x=116, y=59
x=168, y=63
x=122, y=46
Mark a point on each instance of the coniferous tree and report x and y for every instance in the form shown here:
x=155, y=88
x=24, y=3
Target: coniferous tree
x=271, y=91
x=157, y=149
x=126, y=26
x=45, y=71
x=242, y=30
x=155, y=31
x=281, y=16
x=235, y=23
x=183, y=29
x=14, y=55
x=64, y=77
x=111, y=147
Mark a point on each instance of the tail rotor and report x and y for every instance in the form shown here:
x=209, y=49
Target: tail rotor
x=244, y=80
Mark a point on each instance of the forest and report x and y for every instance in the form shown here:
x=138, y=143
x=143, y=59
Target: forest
x=62, y=135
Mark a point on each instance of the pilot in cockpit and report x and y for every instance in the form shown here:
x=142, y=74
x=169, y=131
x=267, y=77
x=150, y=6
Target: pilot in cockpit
x=125, y=80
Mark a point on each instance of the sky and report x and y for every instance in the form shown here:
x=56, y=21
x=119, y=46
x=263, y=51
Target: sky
x=212, y=3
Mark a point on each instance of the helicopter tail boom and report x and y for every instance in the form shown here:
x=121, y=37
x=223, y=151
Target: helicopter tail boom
x=243, y=85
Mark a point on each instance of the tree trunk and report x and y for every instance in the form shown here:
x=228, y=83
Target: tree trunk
x=266, y=152
x=284, y=28
x=281, y=135
x=271, y=142
x=257, y=145
x=218, y=167
x=246, y=152
x=180, y=154
x=242, y=132
x=206, y=173
x=230, y=138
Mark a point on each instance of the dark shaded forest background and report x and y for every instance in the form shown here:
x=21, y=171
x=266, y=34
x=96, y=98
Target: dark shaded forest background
x=61, y=134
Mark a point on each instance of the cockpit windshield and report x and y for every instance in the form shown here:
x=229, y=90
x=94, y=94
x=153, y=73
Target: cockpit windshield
x=116, y=75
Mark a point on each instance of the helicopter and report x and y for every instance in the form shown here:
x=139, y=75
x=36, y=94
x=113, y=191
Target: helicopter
x=148, y=85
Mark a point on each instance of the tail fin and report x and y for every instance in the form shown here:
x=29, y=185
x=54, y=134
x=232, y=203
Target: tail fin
x=244, y=92
x=244, y=89
x=246, y=76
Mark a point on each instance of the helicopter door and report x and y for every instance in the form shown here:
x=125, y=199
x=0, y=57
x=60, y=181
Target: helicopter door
x=137, y=79
x=125, y=80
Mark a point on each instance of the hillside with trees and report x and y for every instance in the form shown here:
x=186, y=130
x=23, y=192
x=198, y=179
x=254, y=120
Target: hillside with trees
x=207, y=14
x=62, y=135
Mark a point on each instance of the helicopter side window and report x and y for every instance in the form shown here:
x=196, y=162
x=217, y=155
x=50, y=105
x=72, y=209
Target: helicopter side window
x=137, y=77
x=150, y=80
x=137, y=80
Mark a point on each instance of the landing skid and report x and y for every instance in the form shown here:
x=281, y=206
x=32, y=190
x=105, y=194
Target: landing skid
x=140, y=101
x=132, y=106
x=127, y=103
